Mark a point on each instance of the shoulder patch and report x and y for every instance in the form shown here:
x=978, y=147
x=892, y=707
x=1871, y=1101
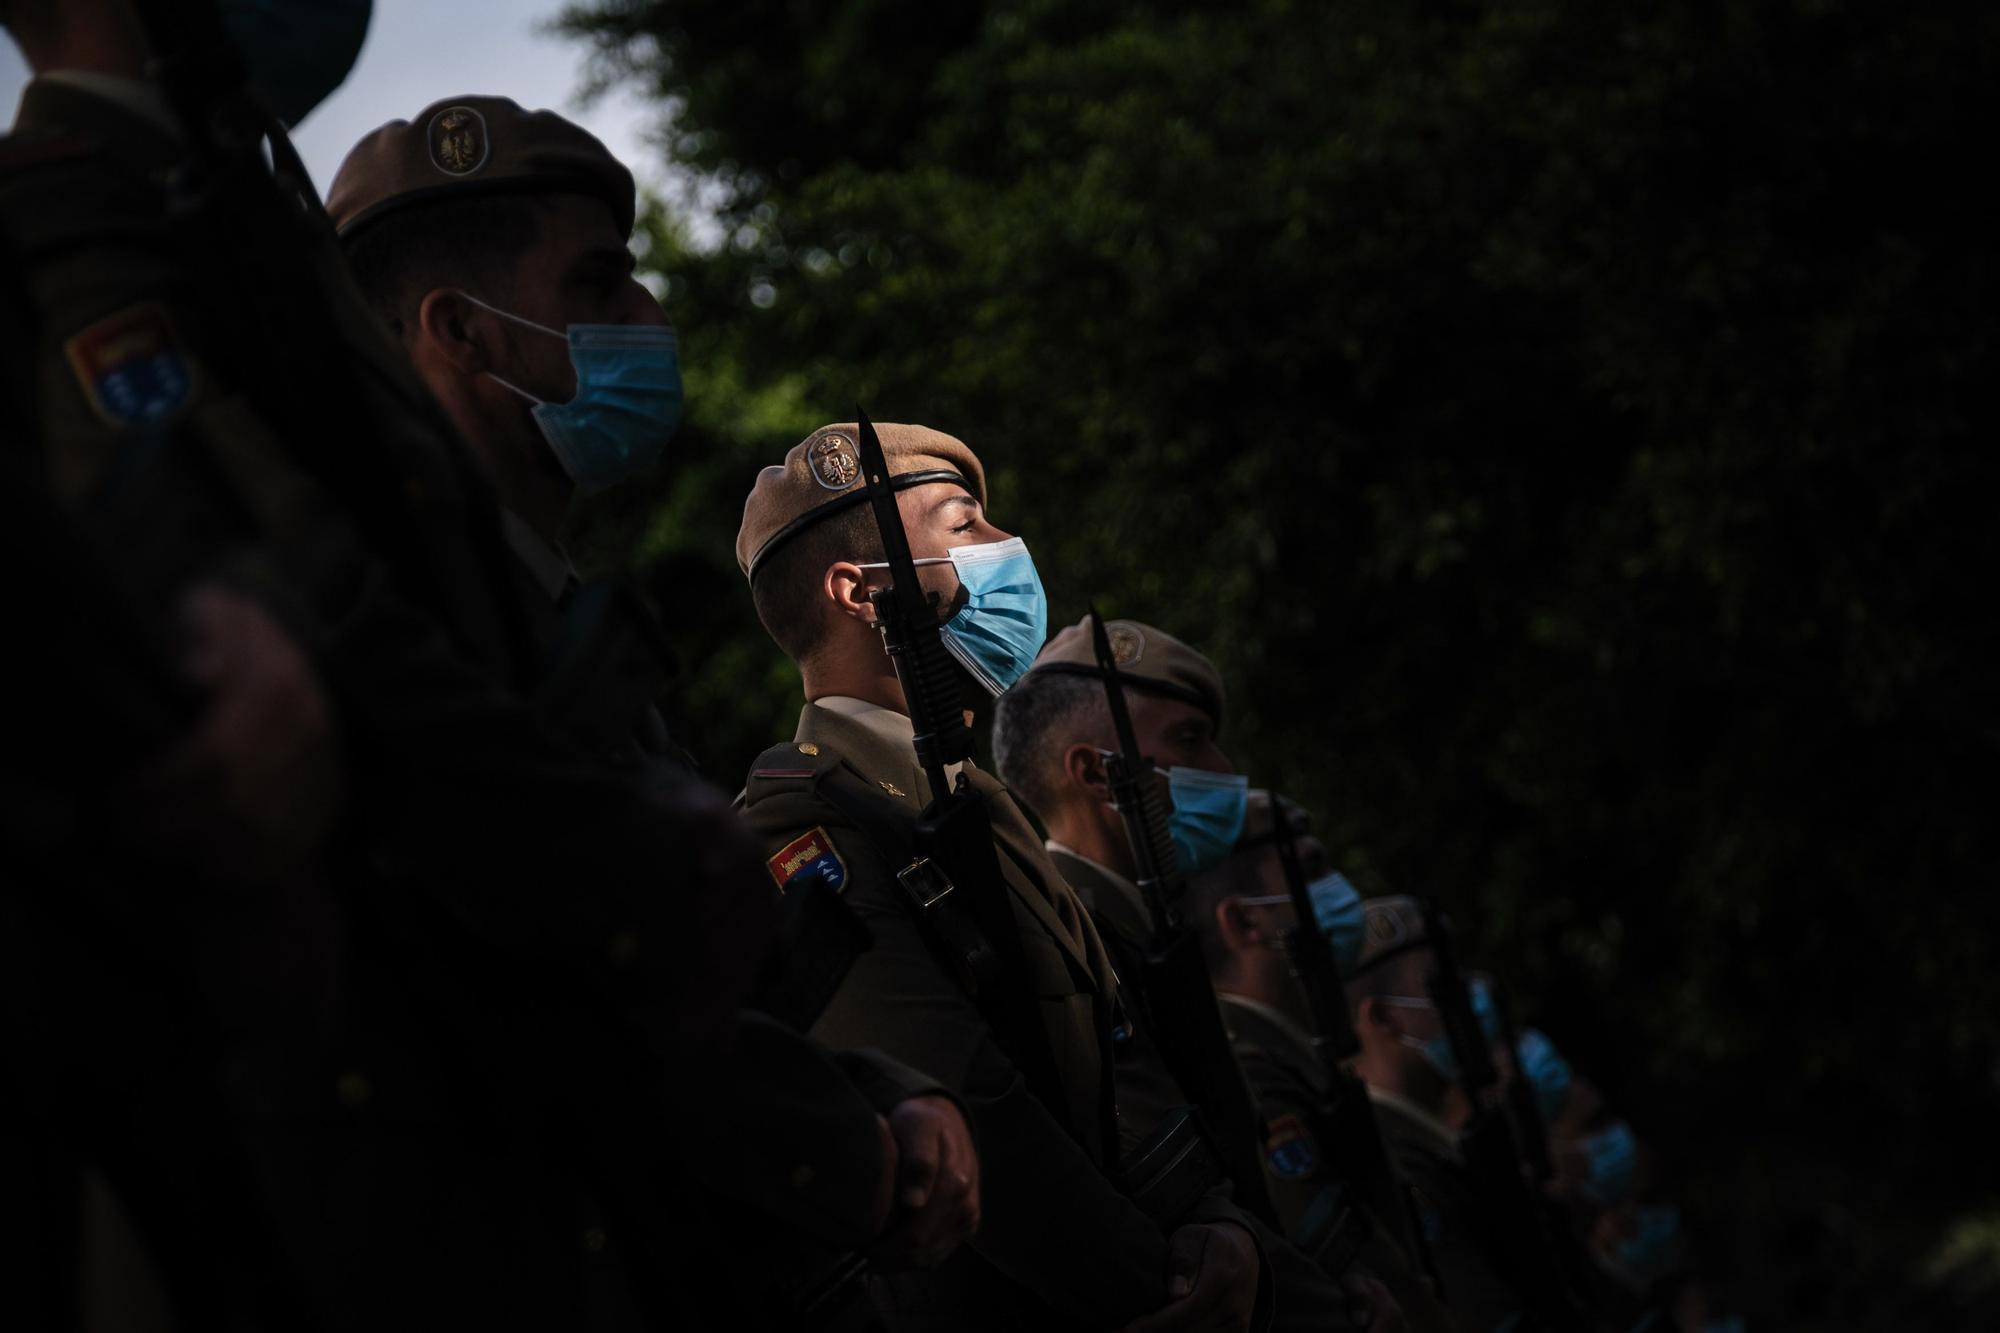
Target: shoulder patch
x=810, y=856
x=1289, y=1148
x=131, y=367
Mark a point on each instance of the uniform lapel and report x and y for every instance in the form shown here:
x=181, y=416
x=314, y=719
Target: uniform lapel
x=1021, y=846
x=1116, y=905
x=1023, y=863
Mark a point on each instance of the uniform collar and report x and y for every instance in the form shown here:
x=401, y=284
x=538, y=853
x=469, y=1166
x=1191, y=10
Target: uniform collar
x=893, y=729
x=128, y=113
x=1113, y=899
x=1442, y=1140
x=1236, y=1008
x=548, y=564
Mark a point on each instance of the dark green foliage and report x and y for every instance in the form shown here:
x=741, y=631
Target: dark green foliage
x=1565, y=423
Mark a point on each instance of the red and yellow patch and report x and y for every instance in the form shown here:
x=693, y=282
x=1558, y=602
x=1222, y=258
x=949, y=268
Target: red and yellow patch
x=1289, y=1148
x=810, y=856
x=130, y=366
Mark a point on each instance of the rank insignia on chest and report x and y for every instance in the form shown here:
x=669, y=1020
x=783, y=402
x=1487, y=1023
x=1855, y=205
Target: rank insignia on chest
x=1290, y=1149
x=130, y=366
x=807, y=858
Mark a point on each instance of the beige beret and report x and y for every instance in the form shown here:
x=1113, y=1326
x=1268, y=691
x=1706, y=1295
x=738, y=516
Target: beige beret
x=1390, y=927
x=474, y=145
x=1148, y=659
x=821, y=477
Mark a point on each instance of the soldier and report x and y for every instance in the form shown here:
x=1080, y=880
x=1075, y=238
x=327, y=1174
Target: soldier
x=1243, y=910
x=1050, y=736
x=492, y=242
x=838, y=804
x=474, y=1125
x=1407, y=1062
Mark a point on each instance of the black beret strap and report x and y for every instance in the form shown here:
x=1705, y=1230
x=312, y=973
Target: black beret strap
x=902, y=481
x=1145, y=684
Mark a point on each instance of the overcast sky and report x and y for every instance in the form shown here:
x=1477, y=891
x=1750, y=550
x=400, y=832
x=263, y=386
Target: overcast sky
x=421, y=50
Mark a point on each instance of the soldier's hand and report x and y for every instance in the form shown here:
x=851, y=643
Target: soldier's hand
x=251, y=793
x=1211, y=1281
x=936, y=1185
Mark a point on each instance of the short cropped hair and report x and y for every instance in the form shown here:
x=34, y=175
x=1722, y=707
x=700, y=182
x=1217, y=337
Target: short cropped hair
x=470, y=244
x=787, y=591
x=1034, y=722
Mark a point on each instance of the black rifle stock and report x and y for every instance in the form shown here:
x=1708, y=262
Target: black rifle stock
x=1517, y=1221
x=1348, y=1118
x=1176, y=981
x=954, y=834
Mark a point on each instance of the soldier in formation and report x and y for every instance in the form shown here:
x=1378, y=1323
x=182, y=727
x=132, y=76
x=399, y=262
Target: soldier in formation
x=376, y=957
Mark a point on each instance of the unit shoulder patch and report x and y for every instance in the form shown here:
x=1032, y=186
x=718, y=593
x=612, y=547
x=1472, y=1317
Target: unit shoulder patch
x=808, y=858
x=1289, y=1148
x=131, y=367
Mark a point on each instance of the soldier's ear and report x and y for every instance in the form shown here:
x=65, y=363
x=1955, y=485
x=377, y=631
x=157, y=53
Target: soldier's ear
x=458, y=330
x=1233, y=924
x=846, y=585
x=1083, y=769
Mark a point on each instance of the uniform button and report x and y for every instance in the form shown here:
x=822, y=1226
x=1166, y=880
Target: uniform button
x=802, y=1176
x=623, y=948
x=808, y=748
x=353, y=1089
x=595, y=1240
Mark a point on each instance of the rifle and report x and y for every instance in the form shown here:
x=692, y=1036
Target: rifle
x=1518, y=1224
x=1348, y=1116
x=1174, y=978
x=955, y=880
x=1521, y=1103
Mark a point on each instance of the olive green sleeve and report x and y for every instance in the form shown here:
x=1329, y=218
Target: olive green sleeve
x=1053, y=1223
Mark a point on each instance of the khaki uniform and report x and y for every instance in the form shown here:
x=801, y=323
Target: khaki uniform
x=1115, y=904
x=1474, y=1287
x=1059, y=1246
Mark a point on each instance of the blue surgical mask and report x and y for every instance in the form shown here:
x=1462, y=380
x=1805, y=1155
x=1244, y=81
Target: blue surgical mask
x=1438, y=1049
x=1653, y=1248
x=1611, y=1156
x=296, y=51
x=1480, y=991
x=1546, y=1071
x=1005, y=619
x=627, y=402
x=1337, y=908
x=1209, y=810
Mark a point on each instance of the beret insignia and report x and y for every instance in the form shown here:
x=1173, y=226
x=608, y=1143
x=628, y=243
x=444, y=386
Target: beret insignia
x=458, y=141
x=1385, y=928
x=835, y=462
x=1127, y=644
x=808, y=857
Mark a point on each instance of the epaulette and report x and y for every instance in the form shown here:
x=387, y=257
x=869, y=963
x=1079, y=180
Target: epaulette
x=792, y=766
x=22, y=152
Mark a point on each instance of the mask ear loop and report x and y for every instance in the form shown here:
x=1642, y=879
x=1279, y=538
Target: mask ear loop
x=518, y=319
